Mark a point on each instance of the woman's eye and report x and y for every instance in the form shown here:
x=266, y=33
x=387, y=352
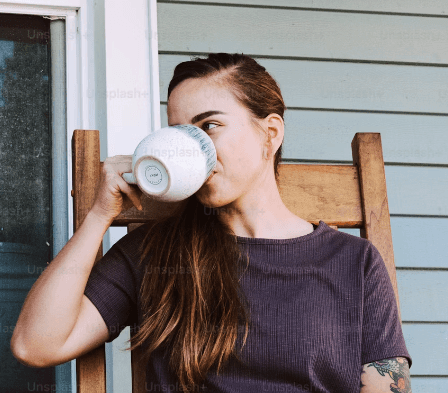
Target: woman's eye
x=208, y=126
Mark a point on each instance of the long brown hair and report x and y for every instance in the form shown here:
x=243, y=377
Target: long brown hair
x=190, y=292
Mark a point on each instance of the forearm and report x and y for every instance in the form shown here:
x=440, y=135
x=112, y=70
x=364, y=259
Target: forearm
x=387, y=375
x=52, y=306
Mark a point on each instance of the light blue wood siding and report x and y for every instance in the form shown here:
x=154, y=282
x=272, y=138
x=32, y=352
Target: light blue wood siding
x=354, y=67
x=427, y=7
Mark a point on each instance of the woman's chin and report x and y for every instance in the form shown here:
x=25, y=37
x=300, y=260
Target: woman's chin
x=208, y=198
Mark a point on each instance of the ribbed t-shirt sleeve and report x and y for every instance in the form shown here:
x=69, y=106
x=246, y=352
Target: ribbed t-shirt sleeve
x=382, y=336
x=113, y=285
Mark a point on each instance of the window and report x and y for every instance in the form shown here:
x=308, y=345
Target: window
x=26, y=230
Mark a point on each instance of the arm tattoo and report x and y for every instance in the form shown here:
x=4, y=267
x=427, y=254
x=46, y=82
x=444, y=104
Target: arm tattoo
x=398, y=370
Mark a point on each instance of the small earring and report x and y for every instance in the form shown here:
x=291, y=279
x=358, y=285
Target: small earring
x=267, y=151
x=265, y=154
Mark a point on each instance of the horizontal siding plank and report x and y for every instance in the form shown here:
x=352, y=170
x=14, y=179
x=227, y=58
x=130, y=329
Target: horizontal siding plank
x=347, y=86
x=302, y=33
x=429, y=385
x=423, y=295
x=417, y=190
x=322, y=135
x=428, y=346
x=327, y=135
x=431, y=7
x=419, y=242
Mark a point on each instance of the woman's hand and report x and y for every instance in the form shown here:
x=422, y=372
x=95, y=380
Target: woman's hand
x=115, y=194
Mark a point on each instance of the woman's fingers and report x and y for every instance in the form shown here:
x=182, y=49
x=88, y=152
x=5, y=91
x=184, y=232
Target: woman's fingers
x=114, y=191
x=133, y=192
x=119, y=164
x=123, y=164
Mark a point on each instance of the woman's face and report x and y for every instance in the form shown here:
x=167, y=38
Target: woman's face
x=239, y=144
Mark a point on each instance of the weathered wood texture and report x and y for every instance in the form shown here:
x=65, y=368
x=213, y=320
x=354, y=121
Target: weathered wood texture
x=138, y=368
x=91, y=367
x=322, y=192
x=368, y=157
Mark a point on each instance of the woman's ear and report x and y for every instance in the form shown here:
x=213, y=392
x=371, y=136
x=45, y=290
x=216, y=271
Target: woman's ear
x=275, y=127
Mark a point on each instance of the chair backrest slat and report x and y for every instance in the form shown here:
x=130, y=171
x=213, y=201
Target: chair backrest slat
x=322, y=192
x=343, y=196
x=368, y=157
x=138, y=369
x=91, y=367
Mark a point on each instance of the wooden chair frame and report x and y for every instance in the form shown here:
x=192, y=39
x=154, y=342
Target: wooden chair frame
x=344, y=196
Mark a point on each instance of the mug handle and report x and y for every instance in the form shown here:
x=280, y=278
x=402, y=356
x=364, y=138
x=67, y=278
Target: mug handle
x=129, y=178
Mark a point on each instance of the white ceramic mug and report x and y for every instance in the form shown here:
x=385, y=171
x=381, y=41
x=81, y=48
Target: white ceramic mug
x=172, y=163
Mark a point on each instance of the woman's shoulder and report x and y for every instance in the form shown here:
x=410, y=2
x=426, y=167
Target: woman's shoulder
x=337, y=238
x=344, y=244
x=363, y=251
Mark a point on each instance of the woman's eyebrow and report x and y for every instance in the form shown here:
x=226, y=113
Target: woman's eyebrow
x=204, y=115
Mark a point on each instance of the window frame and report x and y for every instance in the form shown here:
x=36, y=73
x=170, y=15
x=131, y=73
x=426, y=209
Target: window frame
x=76, y=77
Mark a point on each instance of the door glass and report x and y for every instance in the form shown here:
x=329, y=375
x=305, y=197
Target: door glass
x=25, y=183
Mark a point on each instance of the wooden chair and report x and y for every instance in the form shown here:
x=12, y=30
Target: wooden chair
x=344, y=196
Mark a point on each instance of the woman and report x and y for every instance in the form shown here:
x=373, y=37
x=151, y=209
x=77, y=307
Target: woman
x=235, y=293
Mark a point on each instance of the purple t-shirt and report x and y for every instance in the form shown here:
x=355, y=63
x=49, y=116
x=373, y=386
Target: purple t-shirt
x=321, y=306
